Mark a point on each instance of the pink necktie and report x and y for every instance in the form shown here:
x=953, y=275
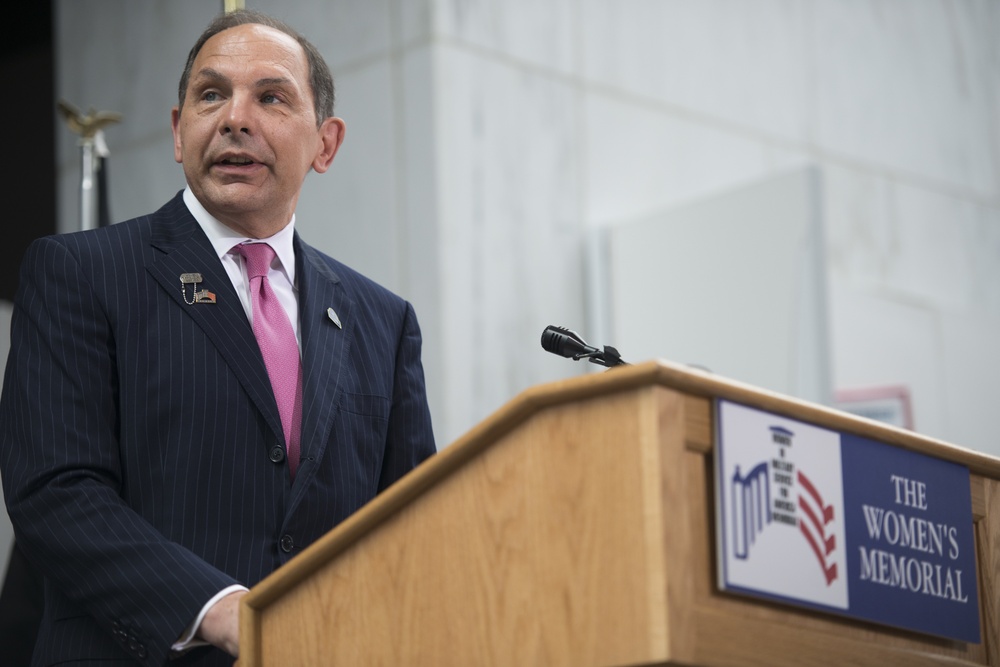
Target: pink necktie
x=277, y=344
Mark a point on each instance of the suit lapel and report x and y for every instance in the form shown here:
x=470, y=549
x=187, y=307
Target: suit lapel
x=184, y=248
x=325, y=346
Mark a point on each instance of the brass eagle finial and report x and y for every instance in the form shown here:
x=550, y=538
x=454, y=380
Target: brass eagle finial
x=87, y=126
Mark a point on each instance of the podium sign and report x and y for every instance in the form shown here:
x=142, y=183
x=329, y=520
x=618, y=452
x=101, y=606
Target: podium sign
x=844, y=524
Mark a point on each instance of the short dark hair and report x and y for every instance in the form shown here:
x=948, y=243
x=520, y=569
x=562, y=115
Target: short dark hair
x=320, y=79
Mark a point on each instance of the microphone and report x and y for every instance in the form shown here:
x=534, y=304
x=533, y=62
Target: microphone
x=567, y=343
x=564, y=342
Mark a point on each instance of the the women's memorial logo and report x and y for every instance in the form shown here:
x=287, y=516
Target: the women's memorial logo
x=840, y=523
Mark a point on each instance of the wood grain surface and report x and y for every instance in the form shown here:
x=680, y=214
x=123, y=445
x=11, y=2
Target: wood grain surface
x=576, y=527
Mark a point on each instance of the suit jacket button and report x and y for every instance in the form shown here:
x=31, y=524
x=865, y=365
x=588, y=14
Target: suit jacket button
x=277, y=454
x=141, y=652
x=286, y=543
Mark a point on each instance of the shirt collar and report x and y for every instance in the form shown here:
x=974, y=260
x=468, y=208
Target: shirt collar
x=223, y=238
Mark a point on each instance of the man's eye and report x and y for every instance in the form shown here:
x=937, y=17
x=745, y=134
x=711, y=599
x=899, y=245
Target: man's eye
x=269, y=99
x=210, y=96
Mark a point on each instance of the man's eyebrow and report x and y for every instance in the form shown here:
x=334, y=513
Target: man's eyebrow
x=211, y=74
x=272, y=81
x=215, y=76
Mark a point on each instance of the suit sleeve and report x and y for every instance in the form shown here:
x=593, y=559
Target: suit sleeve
x=410, y=437
x=62, y=476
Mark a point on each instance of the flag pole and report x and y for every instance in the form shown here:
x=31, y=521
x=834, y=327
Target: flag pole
x=89, y=127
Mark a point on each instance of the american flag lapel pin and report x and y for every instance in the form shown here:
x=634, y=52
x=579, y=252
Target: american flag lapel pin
x=204, y=296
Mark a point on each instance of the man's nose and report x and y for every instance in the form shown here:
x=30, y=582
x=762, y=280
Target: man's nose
x=238, y=115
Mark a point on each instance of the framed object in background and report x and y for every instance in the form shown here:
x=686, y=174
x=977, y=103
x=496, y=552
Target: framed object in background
x=889, y=404
x=734, y=283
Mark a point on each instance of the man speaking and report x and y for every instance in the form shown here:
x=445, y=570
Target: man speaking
x=195, y=395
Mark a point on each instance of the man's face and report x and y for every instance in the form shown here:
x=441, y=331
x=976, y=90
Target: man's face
x=247, y=133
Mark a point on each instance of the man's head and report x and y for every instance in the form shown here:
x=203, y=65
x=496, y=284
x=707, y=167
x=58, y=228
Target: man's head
x=320, y=79
x=246, y=129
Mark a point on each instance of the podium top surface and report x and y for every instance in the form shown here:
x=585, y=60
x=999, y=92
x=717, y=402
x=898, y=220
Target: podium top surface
x=703, y=383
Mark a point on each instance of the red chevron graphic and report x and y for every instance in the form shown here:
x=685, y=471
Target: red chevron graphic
x=831, y=541
x=822, y=544
x=818, y=499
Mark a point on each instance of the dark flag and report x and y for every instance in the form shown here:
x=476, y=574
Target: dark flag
x=103, y=208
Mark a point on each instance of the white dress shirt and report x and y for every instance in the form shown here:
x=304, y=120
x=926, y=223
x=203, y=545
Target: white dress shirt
x=282, y=273
x=282, y=279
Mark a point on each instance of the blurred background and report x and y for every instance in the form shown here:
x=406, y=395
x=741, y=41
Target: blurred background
x=800, y=194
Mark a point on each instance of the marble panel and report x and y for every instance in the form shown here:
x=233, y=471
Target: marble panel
x=421, y=273
x=861, y=238
x=413, y=20
x=779, y=158
x=745, y=64
x=993, y=26
x=640, y=160
x=344, y=31
x=511, y=248
x=142, y=177
x=539, y=33
x=416, y=163
x=115, y=55
x=983, y=250
x=948, y=250
x=972, y=381
x=908, y=86
x=921, y=245
x=878, y=341
x=349, y=212
x=68, y=199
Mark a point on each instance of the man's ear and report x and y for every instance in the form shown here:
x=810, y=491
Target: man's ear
x=175, y=119
x=331, y=135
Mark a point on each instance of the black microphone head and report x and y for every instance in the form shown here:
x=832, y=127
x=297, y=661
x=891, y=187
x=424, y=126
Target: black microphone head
x=564, y=342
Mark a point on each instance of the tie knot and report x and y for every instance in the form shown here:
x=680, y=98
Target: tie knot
x=258, y=257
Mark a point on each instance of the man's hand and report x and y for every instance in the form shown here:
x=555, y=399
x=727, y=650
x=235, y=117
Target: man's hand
x=221, y=625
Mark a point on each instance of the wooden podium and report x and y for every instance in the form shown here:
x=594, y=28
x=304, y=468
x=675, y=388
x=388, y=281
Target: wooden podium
x=576, y=527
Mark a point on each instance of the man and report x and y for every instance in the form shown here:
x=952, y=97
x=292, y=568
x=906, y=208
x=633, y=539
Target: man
x=185, y=408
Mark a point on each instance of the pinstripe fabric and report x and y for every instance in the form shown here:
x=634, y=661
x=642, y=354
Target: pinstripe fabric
x=138, y=432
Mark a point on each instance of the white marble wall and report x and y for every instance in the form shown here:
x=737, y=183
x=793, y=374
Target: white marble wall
x=486, y=140
x=897, y=103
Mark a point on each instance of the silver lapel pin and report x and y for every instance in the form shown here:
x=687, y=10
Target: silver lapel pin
x=332, y=314
x=197, y=295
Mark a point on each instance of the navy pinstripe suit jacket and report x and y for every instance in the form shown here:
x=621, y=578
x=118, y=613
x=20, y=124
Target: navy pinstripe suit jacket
x=142, y=451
